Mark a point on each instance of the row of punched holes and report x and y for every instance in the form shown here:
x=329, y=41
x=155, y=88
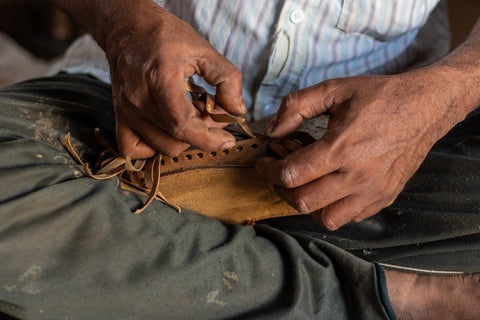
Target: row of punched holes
x=211, y=154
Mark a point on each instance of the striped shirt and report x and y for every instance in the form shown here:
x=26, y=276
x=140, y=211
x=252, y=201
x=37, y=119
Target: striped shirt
x=285, y=45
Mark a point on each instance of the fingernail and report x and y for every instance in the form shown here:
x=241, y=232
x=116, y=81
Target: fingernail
x=242, y=107
x=329, y=224
x=271, y=126
x=228, y=145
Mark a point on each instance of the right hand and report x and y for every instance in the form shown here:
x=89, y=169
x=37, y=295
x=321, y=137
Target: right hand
x=150, y=53
x=380, y=131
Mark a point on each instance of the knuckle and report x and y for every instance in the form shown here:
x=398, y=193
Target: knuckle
x=329, y=85
x=333, y=92
x=301, y=201
x=367, y=212
x=329, y=222
x=209, y=144
x=364, y=176
x=386, y=189
x=236, y=75
x=178, y=128
x=288, y=175
x=135, y=100
x=361, y=177
x=333, y=159
x=291, y=101
x=150, y=70
x=156, y=74
x=173, y=151
x=389, y=191
x=127, y=149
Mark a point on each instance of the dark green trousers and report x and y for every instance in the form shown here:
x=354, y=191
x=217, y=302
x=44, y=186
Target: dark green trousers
x=70, y=247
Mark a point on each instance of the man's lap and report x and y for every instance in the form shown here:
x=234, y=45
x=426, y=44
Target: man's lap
x=434, y=224
x=71, y=247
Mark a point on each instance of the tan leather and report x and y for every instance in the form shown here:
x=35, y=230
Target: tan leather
x=199, y=93
x=222, y=184
x=234, y=195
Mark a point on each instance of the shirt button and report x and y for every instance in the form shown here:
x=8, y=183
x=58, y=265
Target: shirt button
x=296, y=16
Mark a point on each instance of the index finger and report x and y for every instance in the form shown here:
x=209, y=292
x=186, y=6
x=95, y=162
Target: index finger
x=175, y=114
x=306, y=103
x=300, y=167
x=220, y=72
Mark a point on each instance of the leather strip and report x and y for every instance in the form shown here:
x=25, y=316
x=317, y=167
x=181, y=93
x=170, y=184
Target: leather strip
x=199, y=93
x=229, y=170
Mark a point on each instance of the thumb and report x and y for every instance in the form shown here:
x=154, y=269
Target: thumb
x=307, y=103
x=221, y=73
x=132, y=144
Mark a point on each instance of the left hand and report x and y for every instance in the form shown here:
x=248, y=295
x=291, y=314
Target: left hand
x=149, y=59
x=380, y=130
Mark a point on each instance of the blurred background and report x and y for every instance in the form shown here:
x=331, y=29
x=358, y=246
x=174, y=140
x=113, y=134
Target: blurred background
x=34, y=33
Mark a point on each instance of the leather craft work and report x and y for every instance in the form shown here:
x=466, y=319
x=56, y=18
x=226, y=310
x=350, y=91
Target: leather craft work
x=222, y=184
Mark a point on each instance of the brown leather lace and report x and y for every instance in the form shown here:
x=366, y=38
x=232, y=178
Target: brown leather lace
x=143, y=175
x=199, y=93
x=132, y=173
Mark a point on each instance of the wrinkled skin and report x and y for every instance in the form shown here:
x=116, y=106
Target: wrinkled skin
x=380, y=130
x=421, y=297
x=149, y=61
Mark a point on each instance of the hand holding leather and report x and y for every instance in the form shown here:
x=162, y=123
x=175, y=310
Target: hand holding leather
x=150, y=54
x=380, y=130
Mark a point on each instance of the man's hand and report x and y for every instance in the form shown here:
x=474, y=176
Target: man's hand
x=150, y=53
x=149, y=61
x=380, y=130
